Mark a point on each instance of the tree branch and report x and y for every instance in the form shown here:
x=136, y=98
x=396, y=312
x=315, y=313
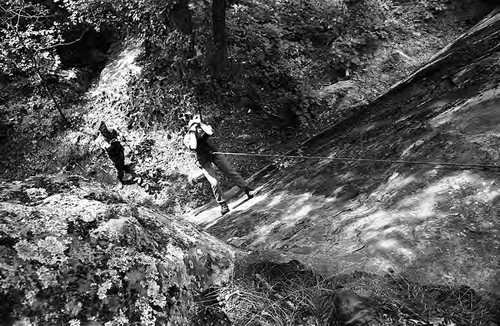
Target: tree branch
x=44, y=84
x=11, y=10
x=62, y=44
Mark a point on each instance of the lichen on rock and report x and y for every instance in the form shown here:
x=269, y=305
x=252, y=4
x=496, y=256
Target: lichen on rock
x=72, y=252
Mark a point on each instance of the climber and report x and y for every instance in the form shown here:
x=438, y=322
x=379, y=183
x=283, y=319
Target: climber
x=116, y=153
x=198, y=139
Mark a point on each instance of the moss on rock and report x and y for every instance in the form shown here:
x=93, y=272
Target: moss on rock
x=75, y=253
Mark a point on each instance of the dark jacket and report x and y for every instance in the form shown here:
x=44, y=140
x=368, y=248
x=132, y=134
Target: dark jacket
x=204, y=148
x=116, y=153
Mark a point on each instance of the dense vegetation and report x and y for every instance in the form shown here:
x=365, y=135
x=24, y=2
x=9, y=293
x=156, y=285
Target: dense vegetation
x=254, y=67
x=273, y=53
x=256, y=71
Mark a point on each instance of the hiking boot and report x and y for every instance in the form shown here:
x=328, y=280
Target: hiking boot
x=249, y=192
x=224, y=209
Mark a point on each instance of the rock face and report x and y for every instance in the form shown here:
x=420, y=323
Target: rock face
x=75, y=253
x=436, y=223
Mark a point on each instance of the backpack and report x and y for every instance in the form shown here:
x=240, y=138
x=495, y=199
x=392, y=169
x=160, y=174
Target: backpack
x=190, y=140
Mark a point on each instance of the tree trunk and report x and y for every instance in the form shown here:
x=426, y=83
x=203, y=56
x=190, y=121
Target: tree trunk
x=183, y=17
x=219, y=55
x=183, y=21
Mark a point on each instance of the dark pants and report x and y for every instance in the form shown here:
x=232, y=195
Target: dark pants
x=117, y=155
x=226, y=168
x=122, y=169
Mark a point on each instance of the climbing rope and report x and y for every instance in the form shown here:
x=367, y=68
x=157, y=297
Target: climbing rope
x=463, y=166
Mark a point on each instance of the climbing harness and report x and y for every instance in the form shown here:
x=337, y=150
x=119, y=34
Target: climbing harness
x=464, y=166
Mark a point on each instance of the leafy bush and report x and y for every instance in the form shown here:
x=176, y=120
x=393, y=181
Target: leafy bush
x=277, y=51
x=264, y=39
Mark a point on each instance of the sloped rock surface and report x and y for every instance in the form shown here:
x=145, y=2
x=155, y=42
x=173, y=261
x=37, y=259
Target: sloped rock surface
x=74, y=253
x=436, y=223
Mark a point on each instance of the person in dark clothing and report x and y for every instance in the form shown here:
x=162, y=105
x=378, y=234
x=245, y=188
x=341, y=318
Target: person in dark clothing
x=116, y=153
x=198, y=139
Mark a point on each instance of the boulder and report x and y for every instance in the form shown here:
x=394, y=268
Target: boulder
x=74, y=253
x=340, y=88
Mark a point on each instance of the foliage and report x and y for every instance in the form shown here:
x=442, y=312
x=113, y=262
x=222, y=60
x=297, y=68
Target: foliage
x=27, y=28
x=33, y=34
x=278, y=50
x=171, y=190
x=35, y=38
x=281, y=49
x=433, y=7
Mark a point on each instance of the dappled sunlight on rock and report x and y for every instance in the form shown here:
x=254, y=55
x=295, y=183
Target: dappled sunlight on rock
x=293, y=217
x=299, y=213
x=491, y=196
x=406, y=222
x=274, y=200
x=392, y=246
x=380, y=220
x=261, y=234
x=381, y=265
x=423, y=202
x=397, y=181
x=411, y=148
x=434, y=222
x=478, y=119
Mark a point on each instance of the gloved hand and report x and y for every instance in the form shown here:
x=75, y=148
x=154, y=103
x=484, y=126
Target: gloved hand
x=197, y=118
x=193, y=125
x=194, y=122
